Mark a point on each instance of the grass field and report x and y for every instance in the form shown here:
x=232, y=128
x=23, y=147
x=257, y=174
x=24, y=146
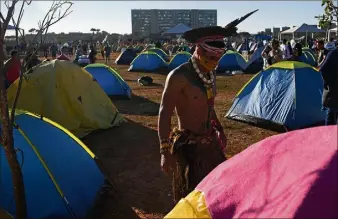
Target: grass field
x=131, y=152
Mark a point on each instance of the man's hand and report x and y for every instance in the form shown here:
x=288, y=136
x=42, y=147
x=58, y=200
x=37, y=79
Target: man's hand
x=222, y=139
x=167, y=163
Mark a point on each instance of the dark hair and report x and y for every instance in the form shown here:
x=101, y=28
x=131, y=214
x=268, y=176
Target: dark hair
x=284, y=41
x=274, y=41
x=298, y=46
x=321, y=42
x=14, y=53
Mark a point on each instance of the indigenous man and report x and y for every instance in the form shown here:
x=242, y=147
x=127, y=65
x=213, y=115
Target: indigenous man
x=195, y=148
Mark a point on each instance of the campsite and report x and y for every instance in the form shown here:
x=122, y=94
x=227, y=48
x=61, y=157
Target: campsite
x=136, y=159
x=129, y=152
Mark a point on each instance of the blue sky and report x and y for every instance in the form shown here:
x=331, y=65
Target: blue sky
x=115, y=16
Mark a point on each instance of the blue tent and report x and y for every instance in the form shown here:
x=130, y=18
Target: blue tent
x=260, y=37
x=244, y=46
x=159, y=52
x=147, y=62
x=256, y=62
x=306, y=49
x=178, y=29
x=231, y=61
x=285, y=96
x=179, y=59
x=308, y=58
x=126, y=57
x=9, y=27
x=109, y=80
x=60, y=174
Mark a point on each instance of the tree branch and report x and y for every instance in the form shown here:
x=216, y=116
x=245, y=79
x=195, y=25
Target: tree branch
x=43, y=27
x=6, y=136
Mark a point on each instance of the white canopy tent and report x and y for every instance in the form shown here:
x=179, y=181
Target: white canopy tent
x=304, y=29
x=333, y=30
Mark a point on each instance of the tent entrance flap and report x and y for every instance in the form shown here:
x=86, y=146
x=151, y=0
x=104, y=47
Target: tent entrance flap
x=258, y=122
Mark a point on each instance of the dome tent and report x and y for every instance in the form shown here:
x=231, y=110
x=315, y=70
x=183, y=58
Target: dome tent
x=231, y=61
x=126, y=57
x=159, y=52
x=67, y=94
x=256, y=62
x=278, y=98
x=179, y=59
x=109, y=80
x=147, y=62
x=53, y=163
x=297, y=179
x=308, y=58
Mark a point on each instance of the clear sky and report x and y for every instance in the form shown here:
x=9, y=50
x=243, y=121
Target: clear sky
x=115, y=16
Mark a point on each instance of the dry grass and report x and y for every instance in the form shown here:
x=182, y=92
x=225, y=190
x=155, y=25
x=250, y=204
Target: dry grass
x=131, y=152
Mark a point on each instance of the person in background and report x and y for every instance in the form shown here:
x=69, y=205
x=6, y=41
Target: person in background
x=283, y=47
x=296, y=53
x=45, y=51
x=53, y=50
x=310, y=43
x=84, y=49
x=92, y=54
x=288, y=51
x=158, y=45
x=107, y=50
x=102, y=50
x=12, y=68
x=32, y=60
x=272, y=54
x=322, y=52
x=328, y=69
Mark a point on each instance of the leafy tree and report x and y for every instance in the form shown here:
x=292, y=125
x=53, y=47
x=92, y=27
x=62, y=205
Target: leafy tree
x=329, y=16
x=93, y=30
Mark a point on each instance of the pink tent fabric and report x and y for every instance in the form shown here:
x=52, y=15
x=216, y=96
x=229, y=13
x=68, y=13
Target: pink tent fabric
x=292, y=175
x=63, y=57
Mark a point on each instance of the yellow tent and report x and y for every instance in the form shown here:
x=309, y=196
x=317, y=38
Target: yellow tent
x=68, y=95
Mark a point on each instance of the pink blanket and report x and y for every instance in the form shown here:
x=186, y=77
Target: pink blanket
x=292, y=175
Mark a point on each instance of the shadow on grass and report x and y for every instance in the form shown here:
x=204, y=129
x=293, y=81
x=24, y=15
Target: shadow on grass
x=131, y=155
x=137, y=106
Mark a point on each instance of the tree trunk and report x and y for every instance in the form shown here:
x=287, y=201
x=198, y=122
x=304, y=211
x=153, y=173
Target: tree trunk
x=7, y=142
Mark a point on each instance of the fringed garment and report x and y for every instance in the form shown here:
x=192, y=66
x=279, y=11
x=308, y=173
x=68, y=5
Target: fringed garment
x=196, y=156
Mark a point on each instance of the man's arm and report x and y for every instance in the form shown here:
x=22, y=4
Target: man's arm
x=327, y=67
x=173, y=87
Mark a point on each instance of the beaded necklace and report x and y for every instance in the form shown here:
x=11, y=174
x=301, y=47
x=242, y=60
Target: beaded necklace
x=208, y=84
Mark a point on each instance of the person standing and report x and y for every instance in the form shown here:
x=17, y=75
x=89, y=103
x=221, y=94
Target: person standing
x=272, y=54
x=107, y=50
x=12, y=68
x=283, y=47
x=102, y=50
x=54, y=50
x=197, y=146
x=329, y=71
x=322, y=51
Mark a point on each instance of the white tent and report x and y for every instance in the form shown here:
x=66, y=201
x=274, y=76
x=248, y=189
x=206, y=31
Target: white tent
x=333, y=30
x=304, y=28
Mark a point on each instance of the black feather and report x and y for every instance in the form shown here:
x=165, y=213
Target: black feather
x=230, y=29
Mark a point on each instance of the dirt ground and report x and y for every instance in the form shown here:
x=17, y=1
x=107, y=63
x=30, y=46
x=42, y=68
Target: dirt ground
x=131, y=152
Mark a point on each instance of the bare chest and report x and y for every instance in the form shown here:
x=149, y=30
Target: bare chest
x=198, y=95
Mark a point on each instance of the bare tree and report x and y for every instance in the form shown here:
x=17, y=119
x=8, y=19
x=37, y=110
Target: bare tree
x=57, y=11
